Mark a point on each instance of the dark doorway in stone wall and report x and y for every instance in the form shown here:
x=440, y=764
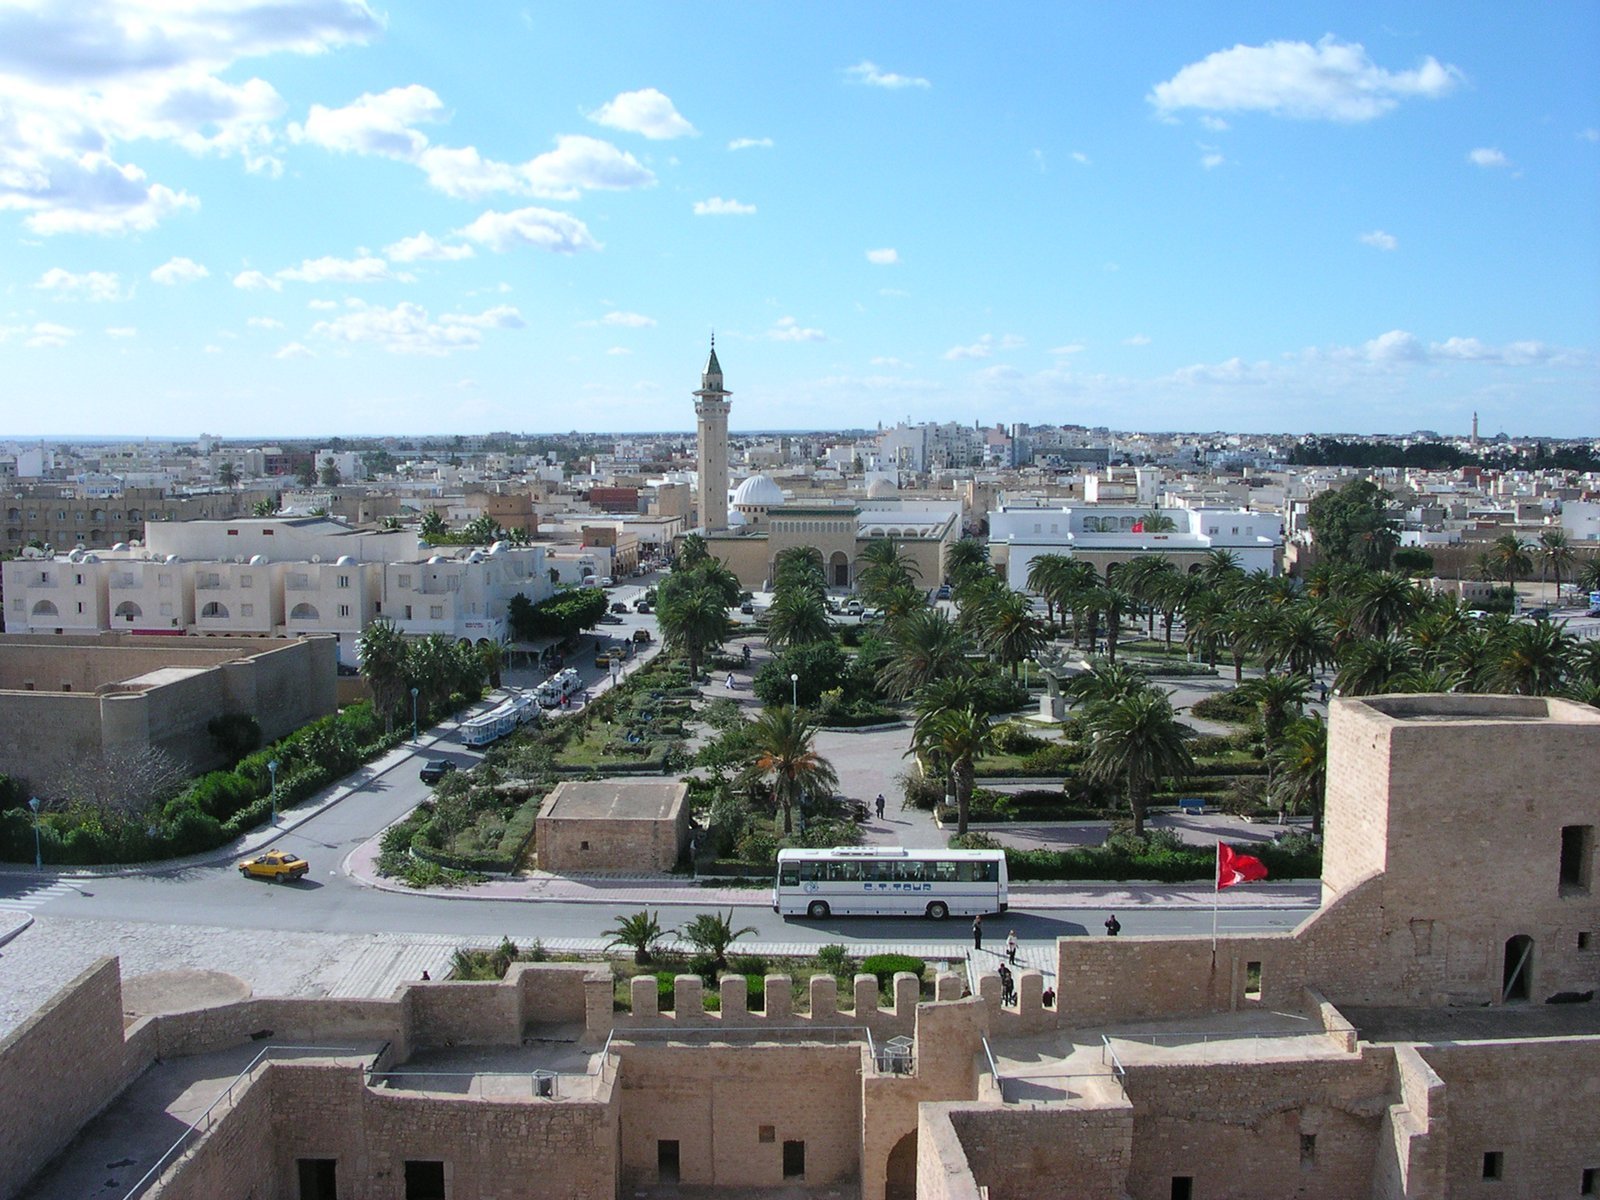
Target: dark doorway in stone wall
x=1516, y=984
x=900, y=1180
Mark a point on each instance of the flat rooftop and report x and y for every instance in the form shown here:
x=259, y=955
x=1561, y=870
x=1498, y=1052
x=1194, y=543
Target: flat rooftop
x=1491, y=1024
x=615, y=800
x=1434, y=708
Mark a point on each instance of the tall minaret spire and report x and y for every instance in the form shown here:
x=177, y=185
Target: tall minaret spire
x=711, y=456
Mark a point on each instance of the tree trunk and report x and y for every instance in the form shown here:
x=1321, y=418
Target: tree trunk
x=1138, y=801
x=964, y=778
x=1238, y=665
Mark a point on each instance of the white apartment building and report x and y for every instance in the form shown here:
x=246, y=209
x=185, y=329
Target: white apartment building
x=325, y=578
x=1108, y=535
x=464, y=597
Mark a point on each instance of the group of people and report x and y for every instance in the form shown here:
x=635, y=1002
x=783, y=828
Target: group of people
x=1007, y=969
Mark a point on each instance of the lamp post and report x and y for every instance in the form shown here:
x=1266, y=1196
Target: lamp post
x=38, y=854
x=794, y=690
x=616, y=670
x=272, y=770
x=414, y=714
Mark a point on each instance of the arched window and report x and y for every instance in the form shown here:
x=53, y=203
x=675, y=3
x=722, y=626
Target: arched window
x=128, y=611
x=214, y=609
x=304, y=612
x=45, y=608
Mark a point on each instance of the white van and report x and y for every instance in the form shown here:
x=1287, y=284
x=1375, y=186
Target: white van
x=552, y=691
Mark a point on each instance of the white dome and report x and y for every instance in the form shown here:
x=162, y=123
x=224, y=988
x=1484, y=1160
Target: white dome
x=258, y=560
x=345, y=561
x=879, y=488
x=737, y=520
x=758, y=492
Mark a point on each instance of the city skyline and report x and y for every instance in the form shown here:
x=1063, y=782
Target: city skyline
x=333, y=218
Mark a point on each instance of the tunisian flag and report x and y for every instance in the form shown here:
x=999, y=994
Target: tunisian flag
x=1233, y=867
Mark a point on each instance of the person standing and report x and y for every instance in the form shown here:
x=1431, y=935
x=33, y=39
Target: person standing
x=977, y=932
x=1113, y=926
x=879, y=803
x=1011, y=948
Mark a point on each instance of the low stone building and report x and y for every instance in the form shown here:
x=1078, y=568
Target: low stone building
x=613, y=825
x=68, y=703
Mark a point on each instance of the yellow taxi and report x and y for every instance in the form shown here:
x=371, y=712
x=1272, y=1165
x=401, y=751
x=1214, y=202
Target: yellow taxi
x=274, y=865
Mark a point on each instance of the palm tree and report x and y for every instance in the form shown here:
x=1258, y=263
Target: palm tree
x=784, y=752
x=712, y=933
x=1512, y=558
x=640, y=933
x=885, y=568
x=968, y=557
x=228, y=475
x=1373, y=666
x=691, y=552
x=1556, y=554
x=1299, y=765
x=955, y=738
x=1104, y=682
x=383, y=654
x=1011, y=632
x=264, y=508
x=1274, y=697
x=797, y=617
x=1220, y=568
x=491, y=655
x=924, y=647
x=1298, y=636
x=1153, y=520
x=1049, y=578
x=1136, y=740
x=432, y=526
x=693, y=620
x=1383, y=602
x=1530, y=659
x=1143, y=577
x=900, y=602
x=799, y=568
x=1589, y=574
x=1205, y=624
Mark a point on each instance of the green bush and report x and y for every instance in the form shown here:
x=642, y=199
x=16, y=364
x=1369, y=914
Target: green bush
x=1229, y=707
x=835, y=959
x=887, y=966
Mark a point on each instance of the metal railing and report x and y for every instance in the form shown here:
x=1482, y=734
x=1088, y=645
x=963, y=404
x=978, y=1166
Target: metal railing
x=222, y=1103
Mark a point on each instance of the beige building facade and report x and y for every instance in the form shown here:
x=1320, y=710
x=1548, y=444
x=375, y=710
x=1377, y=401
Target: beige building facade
x=613, y=825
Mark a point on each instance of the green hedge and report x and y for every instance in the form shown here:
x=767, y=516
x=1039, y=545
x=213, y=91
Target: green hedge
x=1184, y=865
x=887, y=966
x=519, y=832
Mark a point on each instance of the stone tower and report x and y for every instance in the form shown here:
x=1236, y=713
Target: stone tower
x=711, y=413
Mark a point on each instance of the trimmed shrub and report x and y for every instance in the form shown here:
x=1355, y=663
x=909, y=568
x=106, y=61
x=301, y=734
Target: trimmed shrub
x=887, y=966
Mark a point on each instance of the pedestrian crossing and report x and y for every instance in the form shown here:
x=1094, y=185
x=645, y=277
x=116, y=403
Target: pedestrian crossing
x=36, y=896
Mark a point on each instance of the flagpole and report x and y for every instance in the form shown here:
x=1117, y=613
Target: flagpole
x=1216, y=901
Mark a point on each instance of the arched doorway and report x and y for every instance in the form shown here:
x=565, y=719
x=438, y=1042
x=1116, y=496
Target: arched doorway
x=1516, y=982
x=128, y=611
x=900, y=1177
x=839, y=568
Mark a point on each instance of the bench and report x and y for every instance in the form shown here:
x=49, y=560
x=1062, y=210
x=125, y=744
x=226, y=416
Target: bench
x=1192, y=806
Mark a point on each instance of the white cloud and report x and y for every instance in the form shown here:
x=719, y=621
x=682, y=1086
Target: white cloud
x=628, y=320
x=294, y=350
x=1589, y=135
x=77, y=79
x=1485, y=156
x=872, y=75
x=1234, y=372
x=408, y=329
x=889, y=361
x=90, y=285
x=718, y=207
x=1379, y=240
x=1069, y=348
x=618, y=351
x=121, y=331
x=343, y=270
x=179, y=270
x=1215, y=124
x=213, y=349
x=1138, y=339
x=264, y=323
x=1079, y=157
x=984, y=347
x=424, y=248
x=542, y=228
x=48, y=335
x=750, y=144
x=886, y=257
x=646, y=111
x=373, y=124
x=1212, y=158
x=787, y=329
x=582, y=163
x=1333, y=81
x=255, y=281
x=322, y=305
x=1396, y=346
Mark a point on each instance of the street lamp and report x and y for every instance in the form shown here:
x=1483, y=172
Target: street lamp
x=794, y=691
x=38, y=855
x=272, y=770
x=413, y=714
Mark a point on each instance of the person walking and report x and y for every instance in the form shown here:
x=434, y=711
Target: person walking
x=977, y=932
x=1113, y=926
x=879, y=803
x=1011, y=948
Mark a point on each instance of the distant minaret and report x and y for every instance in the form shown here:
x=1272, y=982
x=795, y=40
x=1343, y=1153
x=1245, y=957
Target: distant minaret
x=1474, y=431
x=711, y=409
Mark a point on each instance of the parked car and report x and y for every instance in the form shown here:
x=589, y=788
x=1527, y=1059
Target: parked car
x=610, y=619
x=854, y=608
x=943, y=593
x=1477, y=614
x=275, y=866
x=1537, y=614
x=619, y=607
x=748, y=608
x=435, y=769
x=642, y=606
x=641, y=637
x=607, y=581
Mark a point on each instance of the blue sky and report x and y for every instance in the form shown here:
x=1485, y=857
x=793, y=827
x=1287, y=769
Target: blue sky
x=300, y=217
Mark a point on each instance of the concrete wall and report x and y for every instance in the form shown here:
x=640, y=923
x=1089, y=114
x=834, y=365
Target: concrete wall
x=714, y=1100
x=46, y=734
x=60, y=1068
x=573, y=846
x=1100, y=981
x=1032, y=1154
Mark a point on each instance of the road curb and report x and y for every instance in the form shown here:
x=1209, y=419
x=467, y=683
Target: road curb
x=24, y=922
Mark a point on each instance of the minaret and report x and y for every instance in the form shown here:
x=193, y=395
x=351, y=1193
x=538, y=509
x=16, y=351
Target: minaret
x=1474, y=431
x=711, y=411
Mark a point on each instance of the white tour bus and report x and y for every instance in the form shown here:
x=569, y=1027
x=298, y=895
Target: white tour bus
x=889, y=880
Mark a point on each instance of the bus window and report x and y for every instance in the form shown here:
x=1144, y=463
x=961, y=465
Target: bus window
x=844, y=872
x=811, y=870
x=942, y=872
x=789, y=876
x=910, y=872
